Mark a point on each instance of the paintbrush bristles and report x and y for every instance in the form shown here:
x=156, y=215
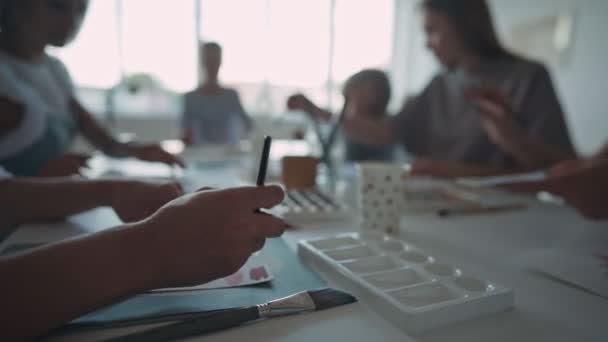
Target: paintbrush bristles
x=330, y=298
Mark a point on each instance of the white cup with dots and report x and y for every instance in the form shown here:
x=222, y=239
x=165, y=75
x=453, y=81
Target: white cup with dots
x=381, y=200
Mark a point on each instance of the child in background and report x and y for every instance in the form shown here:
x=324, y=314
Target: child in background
x=213, y=114
x=37, y=95
x=368, y=89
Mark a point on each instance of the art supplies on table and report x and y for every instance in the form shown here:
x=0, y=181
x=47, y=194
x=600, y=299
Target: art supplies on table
x=289, y=275
x=405, y=285
x=302, y=302
x=312, y=205
x=387, y=192
x=496, y=181
x=255, y=271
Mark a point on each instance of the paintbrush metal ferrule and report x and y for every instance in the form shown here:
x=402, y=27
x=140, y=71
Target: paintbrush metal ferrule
x=294, y=304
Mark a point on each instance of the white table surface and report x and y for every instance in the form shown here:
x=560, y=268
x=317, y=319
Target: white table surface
x=490, y=247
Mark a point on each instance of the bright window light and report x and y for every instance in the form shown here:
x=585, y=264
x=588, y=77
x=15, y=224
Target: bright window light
x=363, y=36
x=93, y=59
x=158, y=39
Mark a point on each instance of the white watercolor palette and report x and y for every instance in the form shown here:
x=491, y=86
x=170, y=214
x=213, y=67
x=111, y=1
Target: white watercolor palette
x=312, y=205
x=402, y=283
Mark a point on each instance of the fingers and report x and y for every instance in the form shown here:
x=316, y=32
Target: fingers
x=491, y=94
x=490, y=110
x=267, y=226
x=174, y=190
x=295, y=101
x=527, y=187
x=175, y=160
x=251, y=198
x=258, y=244
x=155, y=153
x=168, y=158
x=567, y=167
x=552, y=185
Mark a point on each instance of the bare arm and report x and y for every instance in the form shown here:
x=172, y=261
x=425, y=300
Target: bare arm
x=301, y=102
x=45, y=288
x=103, y=140
x=533, y=153
x=24, y=200
x=96, y=134
x=27, y=200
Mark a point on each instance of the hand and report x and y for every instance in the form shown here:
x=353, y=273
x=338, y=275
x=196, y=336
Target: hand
x=67, y=165
x=134, y=201
x=569, y=166
x=497, y=116
x=299, y=102
x=209, y=235
x=154, y=153
x=584, y=187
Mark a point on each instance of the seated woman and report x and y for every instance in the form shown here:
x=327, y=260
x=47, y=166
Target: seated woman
x=444, y=127
x=213, y=114
x=372, y=90
x=37, y=94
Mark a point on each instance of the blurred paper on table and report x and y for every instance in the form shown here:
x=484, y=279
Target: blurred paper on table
x=255, y=271
x=483, y=182
x=588, y=271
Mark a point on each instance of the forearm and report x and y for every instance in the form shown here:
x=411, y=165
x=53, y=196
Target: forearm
x=533, y=154
x=97, y=134
x=317, y=112
x=369, y=132
x=51, y=286
x=27, y=200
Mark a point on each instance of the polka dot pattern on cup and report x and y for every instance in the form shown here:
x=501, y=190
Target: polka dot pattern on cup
x=381, y=196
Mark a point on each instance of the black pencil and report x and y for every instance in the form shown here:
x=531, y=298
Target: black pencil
x=264, y=161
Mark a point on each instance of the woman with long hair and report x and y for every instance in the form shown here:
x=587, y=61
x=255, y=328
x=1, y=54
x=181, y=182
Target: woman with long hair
x=453, y=127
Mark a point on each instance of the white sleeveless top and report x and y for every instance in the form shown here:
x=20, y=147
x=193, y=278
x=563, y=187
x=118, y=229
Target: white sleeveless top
x=44, y=88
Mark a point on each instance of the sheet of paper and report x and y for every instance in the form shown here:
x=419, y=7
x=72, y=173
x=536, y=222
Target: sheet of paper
x=255, y=271
x=586, y=270
x=484, y=182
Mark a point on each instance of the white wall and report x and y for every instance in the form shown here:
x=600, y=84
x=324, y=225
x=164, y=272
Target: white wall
x=581, y=82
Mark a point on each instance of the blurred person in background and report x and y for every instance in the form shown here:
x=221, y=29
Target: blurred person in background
x=41, y=115
x=213, y=114
x=372, y=90
x=447, y=127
